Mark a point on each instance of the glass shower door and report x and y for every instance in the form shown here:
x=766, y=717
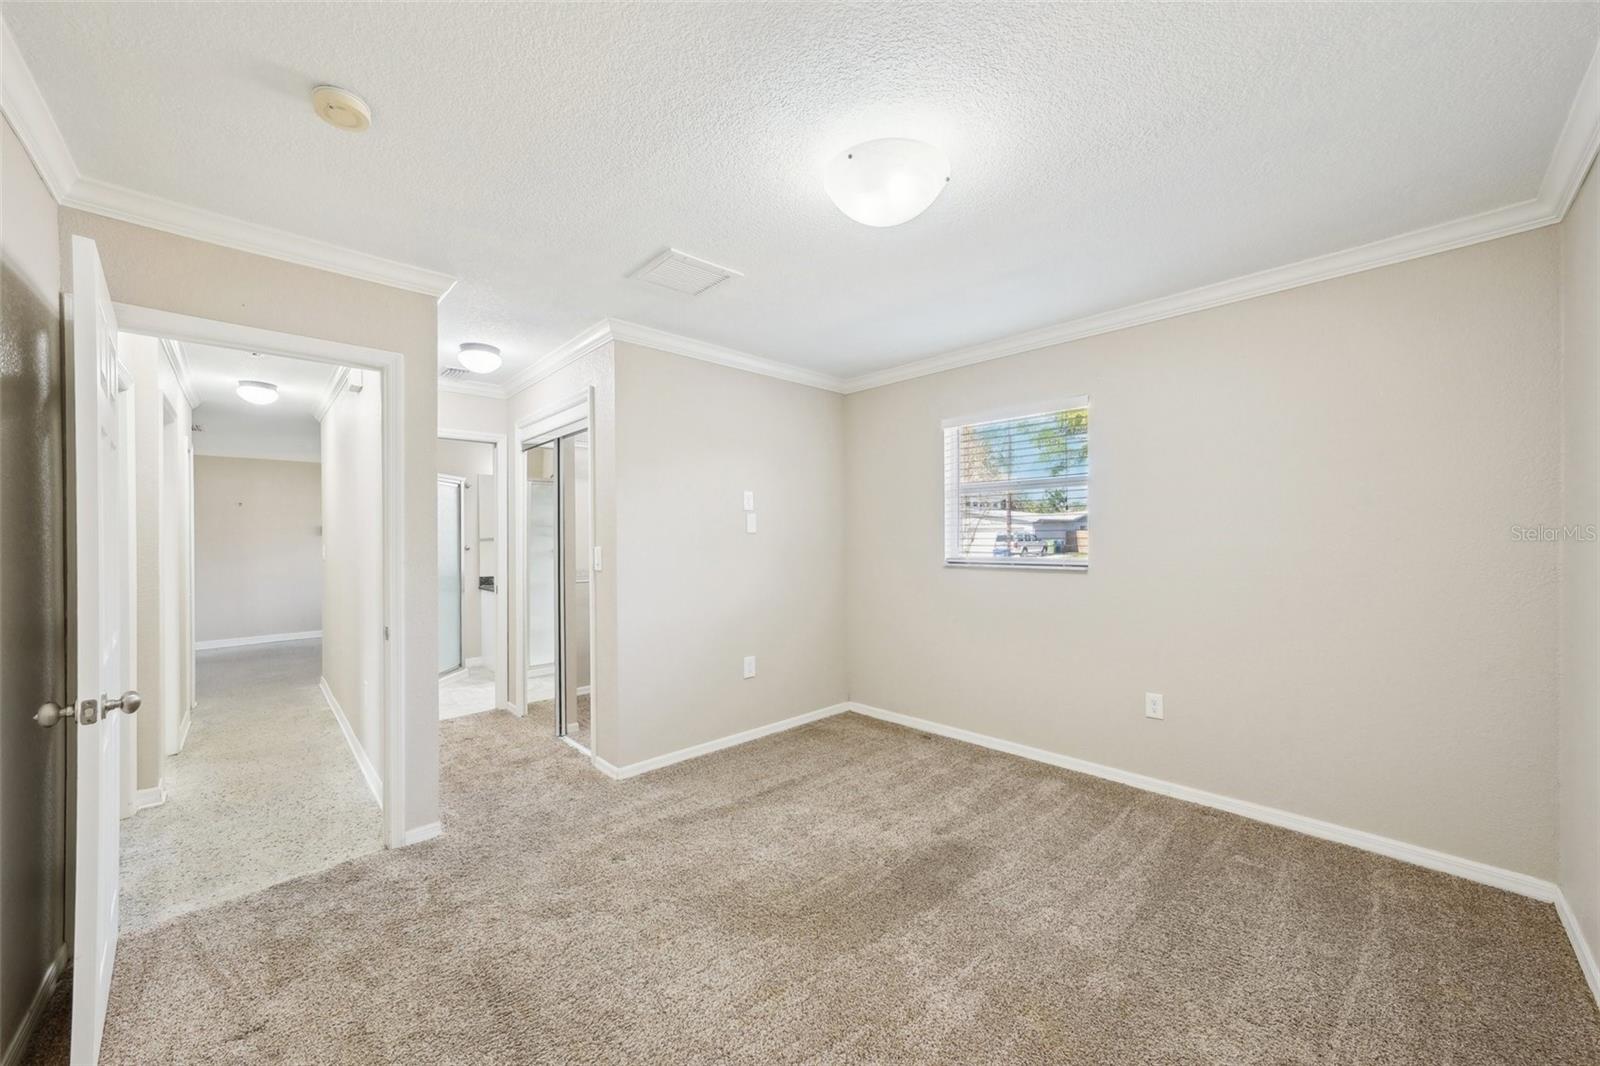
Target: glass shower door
x=449, y=575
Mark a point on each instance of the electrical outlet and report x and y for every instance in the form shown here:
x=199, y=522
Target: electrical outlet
x=1152, y=705
x=749, y=500
x=749, y=666
x=749, y=521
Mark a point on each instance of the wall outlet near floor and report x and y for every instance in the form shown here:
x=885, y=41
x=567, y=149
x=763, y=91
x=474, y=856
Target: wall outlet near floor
x=1152, y=705
x=749, y=666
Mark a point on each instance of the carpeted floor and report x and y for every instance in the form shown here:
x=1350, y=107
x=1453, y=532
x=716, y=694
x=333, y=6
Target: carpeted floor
x=265, y=790
x=848, y=892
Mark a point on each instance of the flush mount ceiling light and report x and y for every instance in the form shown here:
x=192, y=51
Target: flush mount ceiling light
x=479, y=358
x=341, y=108
x=259, y=393
x=886, y=182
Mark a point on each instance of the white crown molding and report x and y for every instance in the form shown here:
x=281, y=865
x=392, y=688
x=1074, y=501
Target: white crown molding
x=178, y=363
x=1577, y=145
x=335, y=387
x=468, y=387
x=661, y=340
x=30, y=117
x=566, y=354
x=611, y=330
x=1502, y=222
x=1574, y=152
x=142, y=209
x=24, y=106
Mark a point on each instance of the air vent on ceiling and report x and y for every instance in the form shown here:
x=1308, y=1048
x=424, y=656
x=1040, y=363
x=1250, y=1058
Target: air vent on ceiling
x=450, y=373
x=682, y=272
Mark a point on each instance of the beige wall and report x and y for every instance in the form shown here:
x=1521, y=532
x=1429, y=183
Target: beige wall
x=1302, y=511
x=352, y=565
x=33, y=652
x=149, y=268
x=1580, y=562
x=695, y=592
x=258, y=547
x=685, y=594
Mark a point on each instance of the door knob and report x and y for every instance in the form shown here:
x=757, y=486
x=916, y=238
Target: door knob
x=127, y=703
x=50, y=713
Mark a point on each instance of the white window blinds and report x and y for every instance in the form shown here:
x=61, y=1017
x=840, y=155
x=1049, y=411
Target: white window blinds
x=1017, y=490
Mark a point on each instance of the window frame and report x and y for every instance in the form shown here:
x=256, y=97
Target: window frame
x=953, y=487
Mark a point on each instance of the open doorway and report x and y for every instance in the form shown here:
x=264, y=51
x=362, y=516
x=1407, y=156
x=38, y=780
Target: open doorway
x=258, y=482
x=470, y=539
x=556, y=588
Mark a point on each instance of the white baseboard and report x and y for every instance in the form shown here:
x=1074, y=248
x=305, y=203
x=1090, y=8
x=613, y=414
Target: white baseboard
x=30, y=1020
x=584, y=690
x=1580, y=945
x=368, y=771
x=145, y=798
x=622, y=773
x=475, y=660
x=418, y=834
x=183, y=732
x=268, y=638
x=1470, y=869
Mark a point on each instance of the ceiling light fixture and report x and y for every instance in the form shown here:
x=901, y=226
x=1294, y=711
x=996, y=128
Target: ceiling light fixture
x=480, y=358
x=341, y=108
x=259, y=393
x=886, y=182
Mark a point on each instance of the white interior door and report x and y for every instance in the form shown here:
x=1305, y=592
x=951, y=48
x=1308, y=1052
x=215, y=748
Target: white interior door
x=102, y=638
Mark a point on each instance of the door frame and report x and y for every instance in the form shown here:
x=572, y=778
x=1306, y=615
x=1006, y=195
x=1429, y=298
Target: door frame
x=502, y=608
x=550, y=423
x=459, y=484
x=390, y=368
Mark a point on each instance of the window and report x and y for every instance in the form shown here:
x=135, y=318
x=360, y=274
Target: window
x=1017, y=490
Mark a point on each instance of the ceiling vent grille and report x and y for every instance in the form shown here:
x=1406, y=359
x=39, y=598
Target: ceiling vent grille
x=451, y=373
x=682, y=272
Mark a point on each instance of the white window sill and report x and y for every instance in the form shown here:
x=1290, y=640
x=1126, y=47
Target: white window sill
x=951, y=564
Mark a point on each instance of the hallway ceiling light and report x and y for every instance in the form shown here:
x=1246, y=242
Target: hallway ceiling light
x=480, y=358
x=259, y=393
x=886, y=182
x=341, y=108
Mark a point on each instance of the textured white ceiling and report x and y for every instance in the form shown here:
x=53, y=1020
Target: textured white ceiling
x=216, y=373
x=1101, y=155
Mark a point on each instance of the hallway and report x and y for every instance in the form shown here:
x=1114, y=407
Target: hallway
x=265, y=790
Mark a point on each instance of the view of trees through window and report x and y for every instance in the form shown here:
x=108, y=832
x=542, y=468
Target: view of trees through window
x=1018, y=490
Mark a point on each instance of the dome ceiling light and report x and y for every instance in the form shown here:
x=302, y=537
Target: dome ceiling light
x=886, y=182
x=259, y=393
x=480, y=358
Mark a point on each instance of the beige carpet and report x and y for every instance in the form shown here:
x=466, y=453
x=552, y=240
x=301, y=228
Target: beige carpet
x=265, y=790
x=849, y=892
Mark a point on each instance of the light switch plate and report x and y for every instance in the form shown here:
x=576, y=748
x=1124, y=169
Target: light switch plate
x=749, y=521
x=749, y=666
x=749, y=500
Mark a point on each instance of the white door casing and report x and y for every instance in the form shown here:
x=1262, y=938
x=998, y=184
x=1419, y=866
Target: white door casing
x=100, y=575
